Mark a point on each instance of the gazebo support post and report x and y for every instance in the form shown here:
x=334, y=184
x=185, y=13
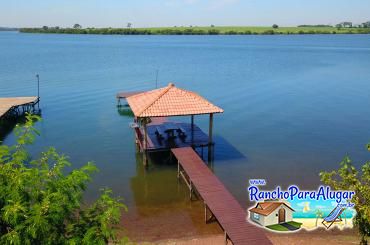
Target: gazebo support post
x=210, y=140
x=192, y=129
x=145, y=142
x=210, y=129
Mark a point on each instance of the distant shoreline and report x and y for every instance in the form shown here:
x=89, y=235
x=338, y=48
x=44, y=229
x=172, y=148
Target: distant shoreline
x=200, y=30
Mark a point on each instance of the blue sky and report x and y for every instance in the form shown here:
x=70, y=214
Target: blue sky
x=145, y=13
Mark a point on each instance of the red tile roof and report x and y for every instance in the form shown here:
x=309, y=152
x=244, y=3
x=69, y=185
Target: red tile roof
x=170, y=101
x=266, y=208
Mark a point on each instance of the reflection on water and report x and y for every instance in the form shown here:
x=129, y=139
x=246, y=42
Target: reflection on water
x=156, y=184
x=162, y=207
x=225, y=151
x=8, y=124
x=294, y=106
x=125, y=111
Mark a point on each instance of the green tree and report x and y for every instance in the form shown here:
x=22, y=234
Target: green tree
x=275, y=26
x=319, y=214
x=40, y=203
x=348, y=178
x=77, y=26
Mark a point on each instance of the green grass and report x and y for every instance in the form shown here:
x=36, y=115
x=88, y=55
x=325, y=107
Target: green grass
x=295, y=224
x=277, y=227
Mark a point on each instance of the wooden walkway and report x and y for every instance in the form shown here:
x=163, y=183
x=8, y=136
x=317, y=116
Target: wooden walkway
x=221, y=205
x=7, y=104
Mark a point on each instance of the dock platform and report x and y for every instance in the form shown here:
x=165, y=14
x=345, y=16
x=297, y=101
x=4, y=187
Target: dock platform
x=219, y=204
x=17, y=105
x=194, y=137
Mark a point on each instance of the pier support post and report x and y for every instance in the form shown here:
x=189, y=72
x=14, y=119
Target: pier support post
x=205, y=212
x=178, y=169
x=191, y=190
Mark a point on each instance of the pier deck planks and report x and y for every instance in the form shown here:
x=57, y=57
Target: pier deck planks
x=228, y=212
x=8, y=103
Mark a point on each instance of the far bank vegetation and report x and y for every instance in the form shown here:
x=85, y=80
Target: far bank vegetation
x=341, y=28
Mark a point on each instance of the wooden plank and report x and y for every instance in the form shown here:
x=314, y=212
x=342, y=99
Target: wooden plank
x=218, y=200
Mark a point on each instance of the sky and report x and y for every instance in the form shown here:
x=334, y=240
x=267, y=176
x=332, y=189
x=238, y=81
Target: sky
x=145, y=13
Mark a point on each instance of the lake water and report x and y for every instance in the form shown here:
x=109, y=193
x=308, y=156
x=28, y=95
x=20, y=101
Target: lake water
x=294, y=106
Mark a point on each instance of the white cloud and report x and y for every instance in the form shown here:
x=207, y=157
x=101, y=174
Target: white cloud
x=302, y=204
x=218, y=4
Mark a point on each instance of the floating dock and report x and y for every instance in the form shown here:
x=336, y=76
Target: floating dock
x=219, y=204
x=17, y=105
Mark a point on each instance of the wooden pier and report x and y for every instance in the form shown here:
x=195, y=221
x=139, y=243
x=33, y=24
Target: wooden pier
x=180, y=138
x=219, y=204
x=125, y=95
x=14, y=106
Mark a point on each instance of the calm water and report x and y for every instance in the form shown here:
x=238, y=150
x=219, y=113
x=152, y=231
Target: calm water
x=294, y=106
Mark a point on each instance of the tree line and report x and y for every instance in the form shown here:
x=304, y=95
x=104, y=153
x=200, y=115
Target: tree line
x=188, y=31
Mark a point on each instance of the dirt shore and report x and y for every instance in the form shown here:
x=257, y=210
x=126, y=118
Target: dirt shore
x=319, y=236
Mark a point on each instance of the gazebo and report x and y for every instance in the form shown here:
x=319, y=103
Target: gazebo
x=155, y=133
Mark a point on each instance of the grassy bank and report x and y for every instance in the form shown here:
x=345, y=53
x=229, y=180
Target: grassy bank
x=224, y=30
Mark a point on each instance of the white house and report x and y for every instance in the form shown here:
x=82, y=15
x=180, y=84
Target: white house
x=271, y=213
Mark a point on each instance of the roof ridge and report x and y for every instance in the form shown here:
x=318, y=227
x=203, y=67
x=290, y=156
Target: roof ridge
x=157, y=98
